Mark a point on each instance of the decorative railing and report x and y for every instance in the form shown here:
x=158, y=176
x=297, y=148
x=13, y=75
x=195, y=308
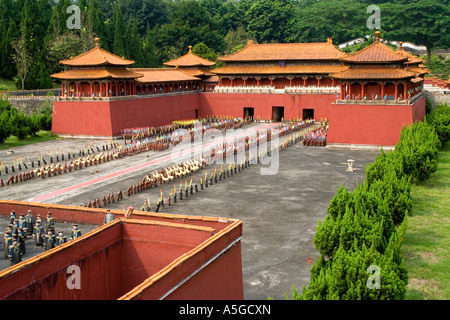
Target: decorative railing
x=411, y=100
x=271, y=89
x=119, y=98
x=245, y=89
x=314, y=90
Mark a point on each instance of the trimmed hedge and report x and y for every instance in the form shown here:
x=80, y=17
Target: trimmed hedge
x=364, y=228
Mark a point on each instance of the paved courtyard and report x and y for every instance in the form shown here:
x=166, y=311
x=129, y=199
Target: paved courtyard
x=279, y=212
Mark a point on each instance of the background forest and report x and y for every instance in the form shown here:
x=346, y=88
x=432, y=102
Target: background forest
x=34, y=35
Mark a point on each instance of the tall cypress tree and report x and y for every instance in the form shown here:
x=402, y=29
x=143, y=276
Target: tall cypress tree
x=119, y=31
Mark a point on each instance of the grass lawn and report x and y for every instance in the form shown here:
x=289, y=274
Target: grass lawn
x=13, y=141
x=426, y=246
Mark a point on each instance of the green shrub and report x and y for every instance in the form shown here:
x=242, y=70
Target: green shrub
x=348, y=275
x=439, y=118
x=418, y=146
x=5, y=128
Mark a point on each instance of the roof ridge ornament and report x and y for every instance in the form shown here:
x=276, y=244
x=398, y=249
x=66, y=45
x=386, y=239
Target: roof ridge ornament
x=377, y=36
x=97, y=43
x=190, y=49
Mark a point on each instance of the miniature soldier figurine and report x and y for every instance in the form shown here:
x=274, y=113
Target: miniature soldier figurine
x=38, y=234
x=49, y=242
x=50, y=223
x=76, y=233
x=60, y=238
x=30, y=223
x=21, y=241
x=14, y=253
x=108, y=217
x=15, y=228
x=38, y=219
x=12, y=217
x=22, y=222
x=8, y=242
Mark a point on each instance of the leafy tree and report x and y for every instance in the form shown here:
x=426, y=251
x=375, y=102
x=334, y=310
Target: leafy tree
x=271, y=21
x=7, y=33
x=341, y=20
x=119, y=28
x=151, y=58
x=5, y=127
x=423, y=22
x=203, y=51
x=236, y=39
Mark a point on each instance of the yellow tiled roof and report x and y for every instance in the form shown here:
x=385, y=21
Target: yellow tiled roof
x=374, y=73
x=316, y=69
x=162, y=75
x=189, y=60
x=97, y=57
x=89, y=74
x=286, y=51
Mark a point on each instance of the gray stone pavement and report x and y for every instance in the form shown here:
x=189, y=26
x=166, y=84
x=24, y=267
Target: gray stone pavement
x=279, y=212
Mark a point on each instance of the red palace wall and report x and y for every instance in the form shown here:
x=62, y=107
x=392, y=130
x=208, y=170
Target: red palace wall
x=233, y=104
x=364, y=124
x=107, y=118
x=371, y=124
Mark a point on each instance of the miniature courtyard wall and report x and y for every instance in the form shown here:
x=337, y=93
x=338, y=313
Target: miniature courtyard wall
x=151, y=256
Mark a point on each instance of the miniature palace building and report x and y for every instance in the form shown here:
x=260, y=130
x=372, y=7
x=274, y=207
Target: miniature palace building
x=367, y=96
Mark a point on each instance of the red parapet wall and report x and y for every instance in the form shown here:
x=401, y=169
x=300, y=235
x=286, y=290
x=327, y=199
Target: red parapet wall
x=151, y=256
x=369, y=124
x=358, y=124
x=107, y=118
x=233, y=104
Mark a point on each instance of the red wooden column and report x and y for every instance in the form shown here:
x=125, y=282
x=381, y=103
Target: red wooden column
x=362, y=90
x=382, y=90
x=350, y=91
x=257, y=81
x=342, y=95
x=91, y=89
x=396, y=90
x=405, y=91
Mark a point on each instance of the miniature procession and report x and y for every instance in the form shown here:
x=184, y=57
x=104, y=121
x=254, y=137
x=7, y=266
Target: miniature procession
x=224, y=179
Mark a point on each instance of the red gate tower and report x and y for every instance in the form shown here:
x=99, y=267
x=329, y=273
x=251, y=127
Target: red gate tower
x=381, y=90
x=97, y=73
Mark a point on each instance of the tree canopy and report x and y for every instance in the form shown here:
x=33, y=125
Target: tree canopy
x=151, y=32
